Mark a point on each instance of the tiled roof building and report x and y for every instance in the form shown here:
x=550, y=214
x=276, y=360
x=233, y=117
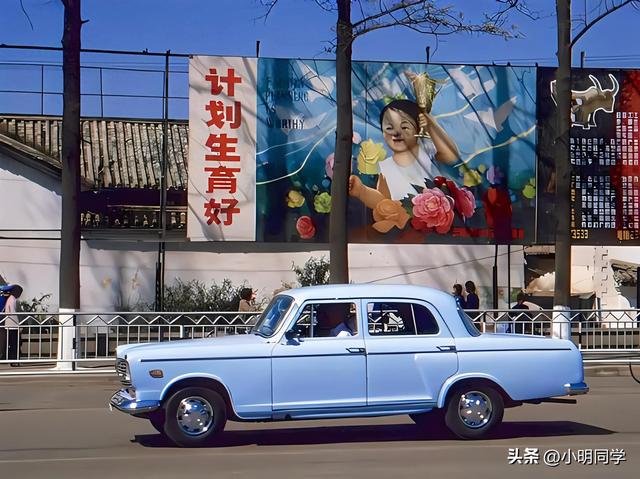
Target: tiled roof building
x=120, y=164
x=114, y=153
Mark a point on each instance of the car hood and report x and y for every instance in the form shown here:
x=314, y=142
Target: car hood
x=245, y=345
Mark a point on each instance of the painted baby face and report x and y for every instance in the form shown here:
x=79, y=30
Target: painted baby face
x=399, y=130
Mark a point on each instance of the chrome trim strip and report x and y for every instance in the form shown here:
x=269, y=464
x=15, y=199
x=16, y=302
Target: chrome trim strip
x=387, y=409
x=348, y=354
x=247, y=357
x=506, y=350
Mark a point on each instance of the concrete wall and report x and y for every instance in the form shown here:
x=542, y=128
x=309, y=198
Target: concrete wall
x=118, y=275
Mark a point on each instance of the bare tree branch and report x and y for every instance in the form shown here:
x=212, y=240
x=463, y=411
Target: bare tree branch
x=608, y=9
x=327, y=5
x=26, y=14
x=425, y=16
x=270, y=4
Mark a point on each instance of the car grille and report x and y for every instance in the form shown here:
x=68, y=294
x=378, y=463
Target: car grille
x=122, y=370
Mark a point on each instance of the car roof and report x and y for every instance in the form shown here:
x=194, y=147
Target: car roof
x=344, y=291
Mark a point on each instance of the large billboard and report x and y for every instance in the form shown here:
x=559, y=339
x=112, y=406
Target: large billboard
x=605, y=170
x=440, y=153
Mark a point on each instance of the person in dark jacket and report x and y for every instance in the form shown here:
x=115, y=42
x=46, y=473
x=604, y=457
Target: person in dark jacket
x=457, y=294
x=522, y=320
x=12, y=323
x=472, y=300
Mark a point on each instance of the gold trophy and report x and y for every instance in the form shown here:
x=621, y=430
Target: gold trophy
x=424, y=88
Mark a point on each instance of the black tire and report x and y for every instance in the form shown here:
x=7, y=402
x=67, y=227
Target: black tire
x=190, y=432
x=156, y=418
x=475, y=424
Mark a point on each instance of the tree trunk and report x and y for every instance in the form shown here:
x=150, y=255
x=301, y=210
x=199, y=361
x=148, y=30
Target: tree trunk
x=70, y=235
x=339, y=267
x=563, y=165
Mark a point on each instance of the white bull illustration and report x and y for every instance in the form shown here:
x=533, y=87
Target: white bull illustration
x=586, y=103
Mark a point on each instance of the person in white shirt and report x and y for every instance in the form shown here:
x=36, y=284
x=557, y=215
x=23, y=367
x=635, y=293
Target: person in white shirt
x=336, y=320
x=12, y=324
x=347, y=328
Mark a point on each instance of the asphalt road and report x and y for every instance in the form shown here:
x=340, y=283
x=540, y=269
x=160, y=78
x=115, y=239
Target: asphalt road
x=61, y=428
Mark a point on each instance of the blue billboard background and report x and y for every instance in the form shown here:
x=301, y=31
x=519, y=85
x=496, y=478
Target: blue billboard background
x=472, y=181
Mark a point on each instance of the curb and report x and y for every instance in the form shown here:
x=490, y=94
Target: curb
x=609, y=371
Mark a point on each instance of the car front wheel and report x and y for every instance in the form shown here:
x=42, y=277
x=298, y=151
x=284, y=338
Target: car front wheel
x=473, y=411
x=156, y=418
x=194, y=416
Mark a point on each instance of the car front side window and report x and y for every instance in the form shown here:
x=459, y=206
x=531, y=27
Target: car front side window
x=327, y=320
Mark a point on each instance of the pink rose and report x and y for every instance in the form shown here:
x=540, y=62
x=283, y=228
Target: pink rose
x=432, y=209
x=463, y=199
x=305, y=227
x=328, y=166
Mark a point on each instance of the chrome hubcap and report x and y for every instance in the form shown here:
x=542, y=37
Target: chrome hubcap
x=194, y=415
x=475, y=409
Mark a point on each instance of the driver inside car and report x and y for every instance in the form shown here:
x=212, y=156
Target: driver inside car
x=348, y=325
x=337, y=320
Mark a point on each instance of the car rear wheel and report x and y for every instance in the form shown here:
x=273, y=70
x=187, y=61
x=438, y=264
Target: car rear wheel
x=194, y=416
x=473, y=411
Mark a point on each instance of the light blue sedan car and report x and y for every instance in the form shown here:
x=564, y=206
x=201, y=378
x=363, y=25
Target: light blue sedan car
x=346, y=351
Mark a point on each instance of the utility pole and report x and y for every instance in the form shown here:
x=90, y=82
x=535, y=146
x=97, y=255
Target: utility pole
x=562, y=292
x=70, y=234
x=339, y=267
x=162, y=246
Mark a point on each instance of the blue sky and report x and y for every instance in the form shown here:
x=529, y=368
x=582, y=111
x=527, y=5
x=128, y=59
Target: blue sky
x=295, y=28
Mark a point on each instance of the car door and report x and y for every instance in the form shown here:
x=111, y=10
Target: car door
x=317, y=370
x=410, y=351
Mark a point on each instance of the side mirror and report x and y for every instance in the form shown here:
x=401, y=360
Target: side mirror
x=292, y=334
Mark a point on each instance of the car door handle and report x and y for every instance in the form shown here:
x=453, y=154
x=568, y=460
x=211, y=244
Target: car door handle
x=447, y=348
x=357, y=350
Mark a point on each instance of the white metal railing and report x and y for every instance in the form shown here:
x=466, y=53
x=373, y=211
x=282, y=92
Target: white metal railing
x=86, y=341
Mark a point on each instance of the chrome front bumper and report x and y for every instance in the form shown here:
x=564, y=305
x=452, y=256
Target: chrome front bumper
x=575, y=389
x=123, y=401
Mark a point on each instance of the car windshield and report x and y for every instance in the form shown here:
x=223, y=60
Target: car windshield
x=273, y=315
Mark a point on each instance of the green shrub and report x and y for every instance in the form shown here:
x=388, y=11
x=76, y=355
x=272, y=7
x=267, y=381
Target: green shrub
x=35, y=305
x=315, y=271
x=196, y=296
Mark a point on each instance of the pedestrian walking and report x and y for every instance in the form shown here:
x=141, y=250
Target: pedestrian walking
x=472, y=301
x=457, y=294
x=4, y=294
x=12, y=323
x=247, y=300
x=521, y=319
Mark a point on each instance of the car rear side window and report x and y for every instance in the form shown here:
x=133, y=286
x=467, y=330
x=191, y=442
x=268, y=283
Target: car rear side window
x=400, y=319
x=425, y=321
